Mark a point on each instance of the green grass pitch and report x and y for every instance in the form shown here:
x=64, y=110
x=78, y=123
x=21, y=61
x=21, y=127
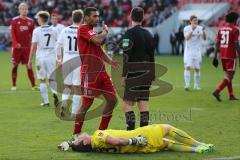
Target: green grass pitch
x=28, y=131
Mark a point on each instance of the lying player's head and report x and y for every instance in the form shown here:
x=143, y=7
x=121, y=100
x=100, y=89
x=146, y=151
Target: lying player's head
x=54, y=18
x=91, y=16
x=193, y=20
x=77, y=16
x=42, y=17
x=137, y=14
x=82, y=143
x=232, y=18
x=23, y=9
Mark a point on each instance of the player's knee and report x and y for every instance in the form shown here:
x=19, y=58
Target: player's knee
x=167, y=128
x=188, y=68
x=165, y=142
x=112, y=101
x=15, y=66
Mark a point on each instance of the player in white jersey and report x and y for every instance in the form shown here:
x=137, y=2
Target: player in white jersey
x=69, y=59
x=43, y=43
x=54, y=20
x=194, y=35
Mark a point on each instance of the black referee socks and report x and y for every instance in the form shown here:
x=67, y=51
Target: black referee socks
x=130, y=120
x=144, y=118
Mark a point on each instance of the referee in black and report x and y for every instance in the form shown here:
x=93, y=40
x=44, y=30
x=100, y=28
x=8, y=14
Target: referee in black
x=138, y=69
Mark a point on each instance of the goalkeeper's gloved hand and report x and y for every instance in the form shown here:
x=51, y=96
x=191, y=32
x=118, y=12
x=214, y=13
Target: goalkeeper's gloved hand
x=215, y=62
x=138, y=141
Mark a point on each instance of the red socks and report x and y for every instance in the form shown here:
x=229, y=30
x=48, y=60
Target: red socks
x=14, y=75
x=104, y=122
x=31, y=77
x=78, y=123
x=223, y=84
x=230, y=89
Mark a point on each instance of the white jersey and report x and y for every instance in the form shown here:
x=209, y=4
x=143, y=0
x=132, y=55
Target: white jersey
x=46, y=38
x=58, y=28
x=68, y=41
x=194, y=44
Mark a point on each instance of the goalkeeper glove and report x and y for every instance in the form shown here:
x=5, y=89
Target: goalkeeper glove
x=215, y=62
x=138, y=141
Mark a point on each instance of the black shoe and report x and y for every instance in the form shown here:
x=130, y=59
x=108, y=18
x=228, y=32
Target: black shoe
x=56, y=101
x=217, y=96
x=232, y=98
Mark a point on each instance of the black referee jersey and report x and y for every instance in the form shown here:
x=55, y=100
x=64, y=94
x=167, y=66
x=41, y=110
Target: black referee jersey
x=138, y=45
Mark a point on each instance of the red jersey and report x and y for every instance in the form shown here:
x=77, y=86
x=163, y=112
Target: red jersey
x=21, y=31
x=91, y=54
x=228, y=35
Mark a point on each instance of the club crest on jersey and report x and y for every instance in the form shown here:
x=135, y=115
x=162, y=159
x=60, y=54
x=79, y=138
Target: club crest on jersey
x=23, y=28
x=92, y=32
x=29, y=23
x=100, y=134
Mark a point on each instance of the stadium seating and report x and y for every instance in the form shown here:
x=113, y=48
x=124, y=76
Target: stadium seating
x=234, y=6
x=113, y=12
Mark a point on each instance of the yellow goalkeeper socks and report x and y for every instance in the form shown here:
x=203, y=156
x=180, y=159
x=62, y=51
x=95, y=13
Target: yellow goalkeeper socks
x=182, y=137
x=179, y=147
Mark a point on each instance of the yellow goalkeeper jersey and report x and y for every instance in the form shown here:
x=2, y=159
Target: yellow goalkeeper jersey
x=153, y=133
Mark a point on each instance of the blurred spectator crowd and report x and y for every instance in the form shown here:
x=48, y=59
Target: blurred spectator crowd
x=115, y=13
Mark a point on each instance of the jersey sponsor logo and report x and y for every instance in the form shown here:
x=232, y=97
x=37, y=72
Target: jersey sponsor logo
x=91, y=32
x=23, y=28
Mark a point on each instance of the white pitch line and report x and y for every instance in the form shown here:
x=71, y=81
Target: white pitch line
x=197, y=109
x=225, y=158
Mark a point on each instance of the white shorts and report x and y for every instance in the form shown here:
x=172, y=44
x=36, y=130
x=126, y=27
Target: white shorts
x=72, y=75
x=45, y=67
x=192, y=63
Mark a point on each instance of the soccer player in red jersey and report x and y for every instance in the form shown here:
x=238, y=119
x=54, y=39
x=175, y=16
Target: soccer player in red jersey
x=227, y=42
x=21, y=30
x=94, y=77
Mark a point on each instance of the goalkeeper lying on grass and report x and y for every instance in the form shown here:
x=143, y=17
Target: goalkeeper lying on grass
x=146, y=139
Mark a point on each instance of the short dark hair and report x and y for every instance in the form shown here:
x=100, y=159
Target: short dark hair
x=81, y=147
x=44, y=15
x=88, y=10
x=231, y=17
x=77, y=15
x=137, y=14
x=192, y=17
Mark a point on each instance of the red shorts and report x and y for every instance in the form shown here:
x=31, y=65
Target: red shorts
x=229, y=65
x=102, y=85
x=20, y=55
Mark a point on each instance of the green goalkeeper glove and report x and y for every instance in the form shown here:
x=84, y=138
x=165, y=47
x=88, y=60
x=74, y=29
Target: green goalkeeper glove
x=138, y=141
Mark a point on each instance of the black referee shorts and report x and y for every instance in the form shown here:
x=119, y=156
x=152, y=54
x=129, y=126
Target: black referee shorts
x=136, y=89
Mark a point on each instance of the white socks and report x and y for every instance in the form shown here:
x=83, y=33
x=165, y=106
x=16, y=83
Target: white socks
x=66, y=94
x=44, y=92
x=196, y=79
x=76, y=104
x=187, y=77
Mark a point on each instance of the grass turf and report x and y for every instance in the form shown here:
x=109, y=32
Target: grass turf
x=28, y=131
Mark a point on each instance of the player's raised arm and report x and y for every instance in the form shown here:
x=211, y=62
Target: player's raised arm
x=99, y=38
x=204, y=35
